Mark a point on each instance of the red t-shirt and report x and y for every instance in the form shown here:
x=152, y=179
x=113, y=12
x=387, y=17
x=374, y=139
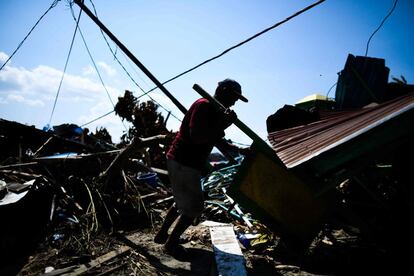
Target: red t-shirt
x=200, y=129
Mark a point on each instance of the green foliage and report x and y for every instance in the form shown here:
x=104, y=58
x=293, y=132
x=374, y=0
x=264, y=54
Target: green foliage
x=125, y=106
x=146, y=120
x=102, y=134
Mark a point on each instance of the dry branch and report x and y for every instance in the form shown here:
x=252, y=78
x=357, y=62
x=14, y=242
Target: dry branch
x=136, y=144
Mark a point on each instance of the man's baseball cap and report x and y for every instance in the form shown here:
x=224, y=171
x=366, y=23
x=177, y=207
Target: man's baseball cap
x=232, y=86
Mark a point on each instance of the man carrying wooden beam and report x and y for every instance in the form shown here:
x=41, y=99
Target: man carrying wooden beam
x=202, y=127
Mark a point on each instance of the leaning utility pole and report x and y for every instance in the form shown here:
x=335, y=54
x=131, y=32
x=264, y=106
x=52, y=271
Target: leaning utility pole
x=141, y=66
x=130, y=55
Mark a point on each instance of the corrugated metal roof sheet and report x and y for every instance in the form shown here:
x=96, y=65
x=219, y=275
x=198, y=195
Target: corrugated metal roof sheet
x=300, y=144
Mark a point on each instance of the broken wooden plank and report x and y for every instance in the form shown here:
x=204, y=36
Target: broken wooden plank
x=17, y=188
x=162, y=200
x=42, y=146
x=18, y=165
x=112, y=270
x=22, y=174
x=159, y=171
x=228, y=255
x=148, y=195
x=100, y=260
x=61, y=271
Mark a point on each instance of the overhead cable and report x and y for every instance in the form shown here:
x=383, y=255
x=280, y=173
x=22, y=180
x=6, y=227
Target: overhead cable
x=240, y=44
x=126, y=71
x=24, y=39
x=113, y=53
x=379, y=27
x=66, y=65
x=225, y=51
x=129, y=75
x=169, y=111
x=100, y=117
x=329, y=90
x=94, y=64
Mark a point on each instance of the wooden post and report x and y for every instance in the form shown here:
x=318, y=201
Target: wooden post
x=259, y=141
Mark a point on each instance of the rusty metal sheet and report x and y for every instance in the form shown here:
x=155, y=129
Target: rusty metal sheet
x=297, y=145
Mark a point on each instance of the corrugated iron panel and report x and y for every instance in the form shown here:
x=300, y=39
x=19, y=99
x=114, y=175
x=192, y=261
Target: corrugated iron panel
x=299, y=144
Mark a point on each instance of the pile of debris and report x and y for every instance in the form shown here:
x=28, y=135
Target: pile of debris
x=65, y=205
x=332, y=197
x=66, y=192
x=66, y=189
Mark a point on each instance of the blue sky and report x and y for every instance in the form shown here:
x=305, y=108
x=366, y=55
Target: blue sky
x=297, y=59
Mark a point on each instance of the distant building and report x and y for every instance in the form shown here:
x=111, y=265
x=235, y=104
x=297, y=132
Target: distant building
x=318, y=101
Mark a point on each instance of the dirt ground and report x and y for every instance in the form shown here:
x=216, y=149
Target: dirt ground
x=158, y=262
x=342, y=253
x=333, y=252
x=148, y=258
x=154, y=260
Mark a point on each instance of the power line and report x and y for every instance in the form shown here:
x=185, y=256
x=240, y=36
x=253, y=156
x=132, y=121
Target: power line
x=240, y=44
x=327, y=94
x=93, y=62
x=129, y=75
x=66, y=65
x=114, y=54
x=100, y=117
x=24, y=39
x=379, y=27
x=217, y=56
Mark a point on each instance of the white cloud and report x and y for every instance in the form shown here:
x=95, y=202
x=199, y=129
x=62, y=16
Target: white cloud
x=43, y=82
x=107, y=69
x=88, y=70
x=3, y=57
x=33, y=91
x=20, y=99
x=102, y=67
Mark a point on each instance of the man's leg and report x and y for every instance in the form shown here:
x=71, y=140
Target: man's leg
x=162, y=235
x=172, y=245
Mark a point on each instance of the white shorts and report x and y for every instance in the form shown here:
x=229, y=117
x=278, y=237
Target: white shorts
x=186, y=187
